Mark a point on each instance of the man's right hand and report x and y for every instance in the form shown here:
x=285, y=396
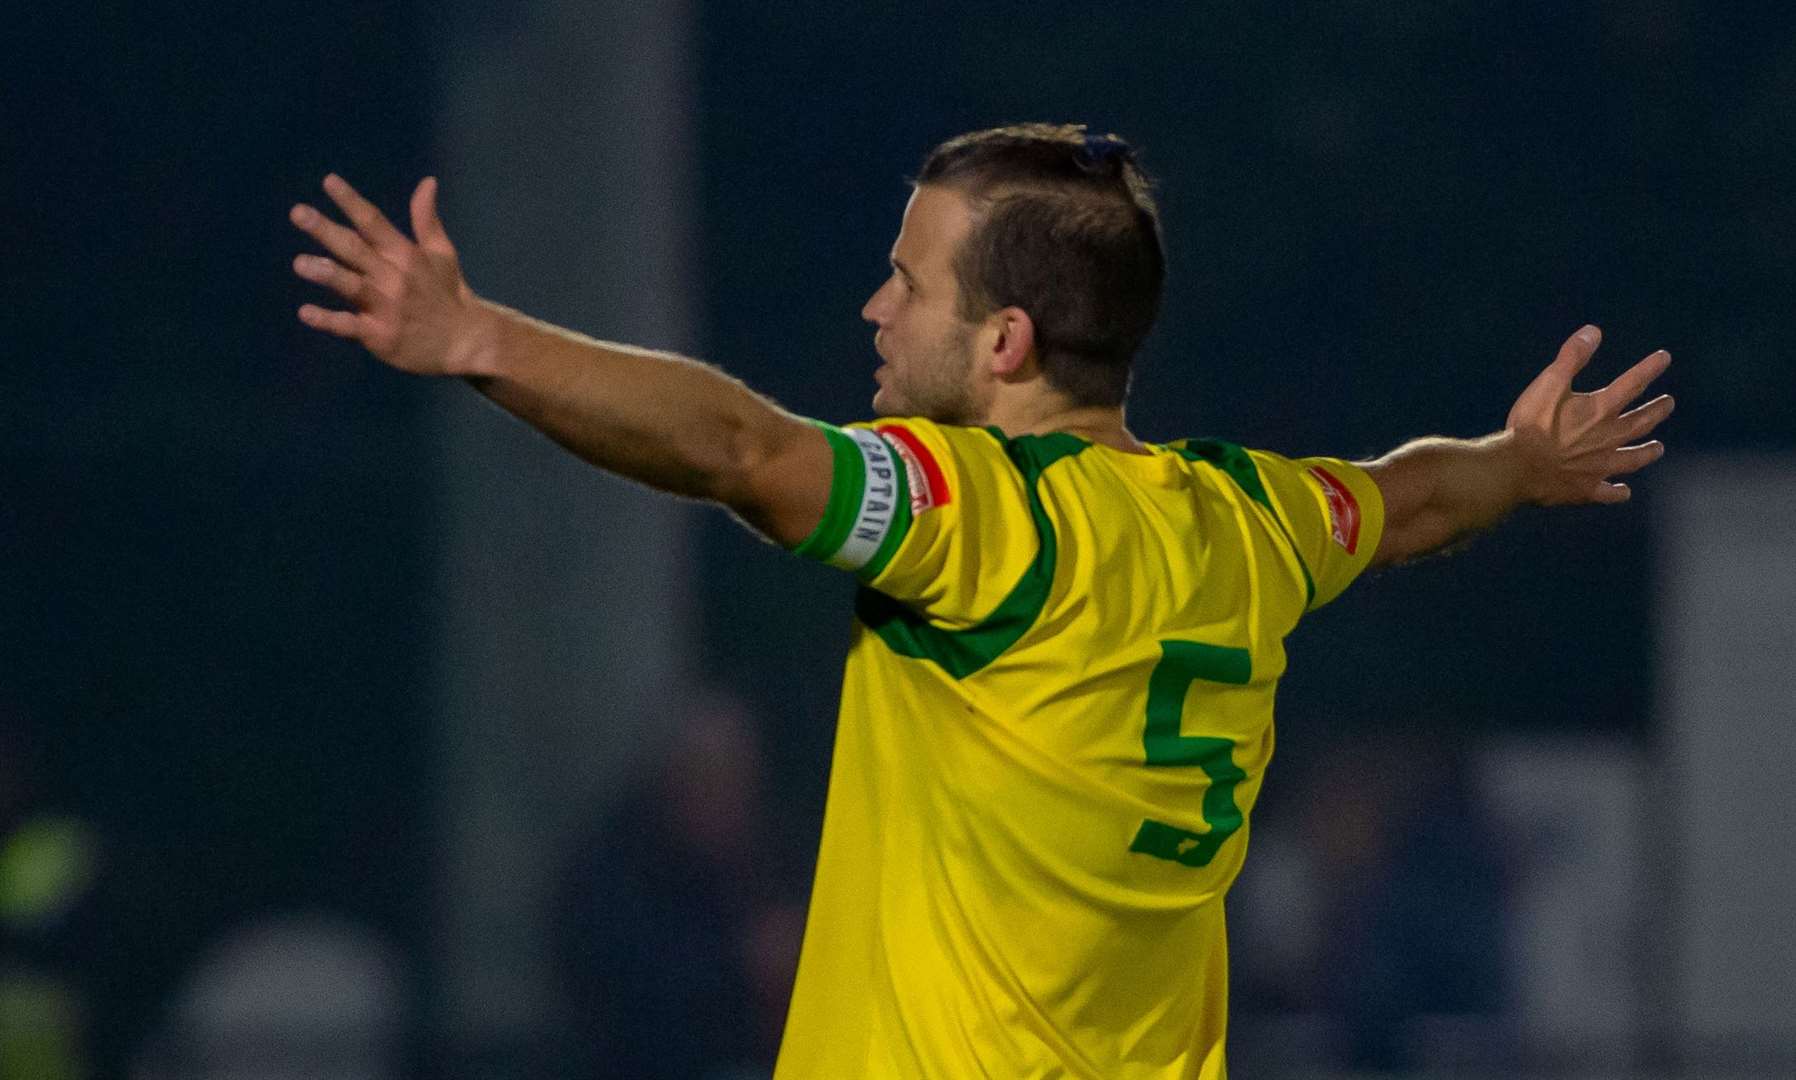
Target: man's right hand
x=1559, y=447
x=412, y=307
x=1574, y=444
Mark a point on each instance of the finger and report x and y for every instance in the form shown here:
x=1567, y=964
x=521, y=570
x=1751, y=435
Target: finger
x=1632, y=382
x=345, y=243
x=426, y=225
x=1641, y=419
x=322, y=271
x=1634, y=458
x=1574, y=354
x=367, y=218
x=1611, y=494
x=345, y=324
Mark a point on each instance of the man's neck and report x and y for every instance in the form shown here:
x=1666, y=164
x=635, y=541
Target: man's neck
x=1100, y=424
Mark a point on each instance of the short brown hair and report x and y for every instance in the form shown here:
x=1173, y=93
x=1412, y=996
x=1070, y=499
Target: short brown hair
x=1065, y=227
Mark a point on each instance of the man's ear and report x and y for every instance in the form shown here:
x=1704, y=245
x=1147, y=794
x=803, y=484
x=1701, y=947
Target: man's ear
x=1012, y=353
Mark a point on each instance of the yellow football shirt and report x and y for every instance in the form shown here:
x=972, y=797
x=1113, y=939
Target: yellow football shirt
x=1056, y=715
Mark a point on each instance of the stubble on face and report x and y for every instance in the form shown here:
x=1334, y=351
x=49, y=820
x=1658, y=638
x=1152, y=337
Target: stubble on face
x=928, y=349
x=935, y=382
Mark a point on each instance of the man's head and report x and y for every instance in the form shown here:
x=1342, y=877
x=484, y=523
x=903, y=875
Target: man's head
x=1026, y=251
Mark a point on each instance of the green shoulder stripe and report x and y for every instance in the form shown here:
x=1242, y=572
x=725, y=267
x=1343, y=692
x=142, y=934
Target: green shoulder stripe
x=962, y=652
x=1238, y=465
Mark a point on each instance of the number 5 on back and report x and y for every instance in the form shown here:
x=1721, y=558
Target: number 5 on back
x=1181, y=664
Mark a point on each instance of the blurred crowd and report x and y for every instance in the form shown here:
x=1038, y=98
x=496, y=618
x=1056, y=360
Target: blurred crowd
x=683, y=914
x=1371, y=931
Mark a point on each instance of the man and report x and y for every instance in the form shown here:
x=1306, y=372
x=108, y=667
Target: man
x=1057, y=710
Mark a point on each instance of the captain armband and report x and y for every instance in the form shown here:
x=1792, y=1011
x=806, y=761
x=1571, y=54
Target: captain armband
x=869, y=509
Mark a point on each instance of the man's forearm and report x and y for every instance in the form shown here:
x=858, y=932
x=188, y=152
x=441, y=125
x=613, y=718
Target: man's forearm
x=1439, y=490
x=664, y=420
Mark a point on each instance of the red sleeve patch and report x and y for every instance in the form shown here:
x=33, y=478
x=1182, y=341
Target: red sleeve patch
x=928, y=487
x=1343, y=508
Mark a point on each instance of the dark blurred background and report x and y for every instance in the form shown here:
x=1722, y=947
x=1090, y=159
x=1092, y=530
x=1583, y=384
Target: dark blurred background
x=258, y=744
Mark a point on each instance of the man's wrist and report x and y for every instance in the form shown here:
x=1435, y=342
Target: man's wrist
x=1510, y=462
x=481, y=344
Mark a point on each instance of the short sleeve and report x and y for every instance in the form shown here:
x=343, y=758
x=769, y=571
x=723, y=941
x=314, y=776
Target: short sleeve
x=932, y=515
x=1334, y=513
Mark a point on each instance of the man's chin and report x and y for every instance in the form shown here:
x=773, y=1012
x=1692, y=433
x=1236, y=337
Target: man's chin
x=885, y=403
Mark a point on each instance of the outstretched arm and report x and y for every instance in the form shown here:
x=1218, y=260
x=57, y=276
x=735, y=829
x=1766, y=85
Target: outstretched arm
x=666, y=421
x=1558, y=448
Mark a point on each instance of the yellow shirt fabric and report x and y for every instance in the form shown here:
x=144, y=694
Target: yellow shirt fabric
x=1056, y=716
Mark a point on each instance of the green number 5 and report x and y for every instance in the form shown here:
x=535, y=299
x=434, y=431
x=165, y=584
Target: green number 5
x=1181, y=664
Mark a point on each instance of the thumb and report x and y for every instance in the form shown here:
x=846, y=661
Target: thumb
x=426, y=225
x=1574, y=354
x=1541, y=400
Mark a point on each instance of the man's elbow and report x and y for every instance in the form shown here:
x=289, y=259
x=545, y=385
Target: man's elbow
x=1418, y=535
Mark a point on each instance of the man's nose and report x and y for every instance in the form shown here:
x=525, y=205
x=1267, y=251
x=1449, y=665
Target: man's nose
x=874, y=309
